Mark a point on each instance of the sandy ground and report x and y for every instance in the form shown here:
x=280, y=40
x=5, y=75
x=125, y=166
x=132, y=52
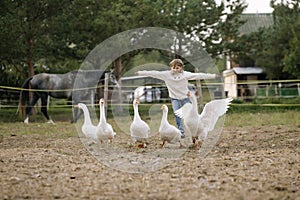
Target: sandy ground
x=247, y=163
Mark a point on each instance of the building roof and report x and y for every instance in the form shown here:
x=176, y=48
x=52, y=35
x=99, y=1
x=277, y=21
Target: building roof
x=248, y=70
x=132, y=77
x=244, y=70
x=253, y=22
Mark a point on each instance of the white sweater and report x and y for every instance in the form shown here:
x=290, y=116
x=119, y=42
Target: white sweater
x=177, y=83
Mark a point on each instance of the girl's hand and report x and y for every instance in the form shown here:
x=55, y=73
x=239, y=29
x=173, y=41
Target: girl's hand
x=217, y=76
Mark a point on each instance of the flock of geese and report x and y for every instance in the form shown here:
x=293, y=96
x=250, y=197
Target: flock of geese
x=103, y=131
x=196, y=125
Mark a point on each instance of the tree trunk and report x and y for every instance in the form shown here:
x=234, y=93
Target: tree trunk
x=29, y=57
x=118, y=68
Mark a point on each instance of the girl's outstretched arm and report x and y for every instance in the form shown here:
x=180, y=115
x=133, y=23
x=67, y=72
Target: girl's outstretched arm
x=154, y=74
x=197, y=76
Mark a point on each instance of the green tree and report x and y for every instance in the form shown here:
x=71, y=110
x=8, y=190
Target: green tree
x=291, y=59
x=281, y=53
x=276, y=48
x=56, y=35
x=199, y=20
x=215, y=26
x=25, y=26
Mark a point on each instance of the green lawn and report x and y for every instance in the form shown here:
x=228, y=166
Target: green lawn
x=10, y=122
x=263, y=118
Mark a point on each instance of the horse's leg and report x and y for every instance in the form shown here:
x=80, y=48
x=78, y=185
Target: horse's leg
x=33, y=101
x=44, y=99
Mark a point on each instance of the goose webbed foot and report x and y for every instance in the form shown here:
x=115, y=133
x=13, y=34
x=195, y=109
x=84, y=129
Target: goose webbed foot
x=142, y=145
x=181, y=146
x=163, y=144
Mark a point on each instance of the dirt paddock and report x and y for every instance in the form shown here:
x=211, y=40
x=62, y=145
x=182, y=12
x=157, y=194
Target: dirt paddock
x=247, y=163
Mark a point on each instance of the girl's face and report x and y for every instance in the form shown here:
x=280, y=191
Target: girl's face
x=177, y=68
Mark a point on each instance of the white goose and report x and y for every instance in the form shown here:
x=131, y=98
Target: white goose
x=105, y=131
x=168, y=132
x=88, y=129
x=197, y=125
x=139, y=129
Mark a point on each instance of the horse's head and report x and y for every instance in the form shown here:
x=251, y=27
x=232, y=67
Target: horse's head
x=113, y=80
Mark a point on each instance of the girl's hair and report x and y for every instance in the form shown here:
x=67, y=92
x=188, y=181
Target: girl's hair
x=176, y=61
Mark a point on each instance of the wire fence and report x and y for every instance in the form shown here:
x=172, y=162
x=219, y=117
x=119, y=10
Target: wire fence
x=245, y=91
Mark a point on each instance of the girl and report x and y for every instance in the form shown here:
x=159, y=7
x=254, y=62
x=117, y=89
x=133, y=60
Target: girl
x=176, y=80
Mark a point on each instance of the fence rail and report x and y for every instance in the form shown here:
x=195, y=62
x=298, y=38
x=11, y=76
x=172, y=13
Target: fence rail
x=247, y=90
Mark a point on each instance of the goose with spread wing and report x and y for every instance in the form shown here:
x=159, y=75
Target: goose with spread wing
x=168, y=132
x=198, y=125
x=139, y=129
x=105, y=131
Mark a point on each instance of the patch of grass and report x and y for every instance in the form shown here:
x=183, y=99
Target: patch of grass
x=60, y=130
x=239, y=115
x=277, y=100
x=265, y=105
x=264, y=118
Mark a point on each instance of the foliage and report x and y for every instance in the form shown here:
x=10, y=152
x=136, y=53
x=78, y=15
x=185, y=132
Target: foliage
x=282, y=42
x=276, y=49
x=25, y=29
x=291, y=58
x=56, y=35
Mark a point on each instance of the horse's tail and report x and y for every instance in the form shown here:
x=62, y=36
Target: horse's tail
x=24, y=97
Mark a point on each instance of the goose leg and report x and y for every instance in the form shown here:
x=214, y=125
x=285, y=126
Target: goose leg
x=199, y=144
x=142, y=145
x=194, y=140
x=181, y=145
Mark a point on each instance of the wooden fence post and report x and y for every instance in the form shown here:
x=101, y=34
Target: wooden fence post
x=199, y=90
x=92, y=98
x=106, y=92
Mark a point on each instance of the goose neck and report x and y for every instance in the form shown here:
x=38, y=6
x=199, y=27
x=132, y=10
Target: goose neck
x=164, y=119
x=194, y=105
x=87, y=118
x=136, y=112
x=102, y=114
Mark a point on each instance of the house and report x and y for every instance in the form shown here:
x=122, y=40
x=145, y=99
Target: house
x=234, y=78
x=254, y=22
x=234, y=75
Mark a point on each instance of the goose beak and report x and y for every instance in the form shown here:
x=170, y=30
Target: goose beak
x=164, y=107
x=101, y=101
x=196, y=93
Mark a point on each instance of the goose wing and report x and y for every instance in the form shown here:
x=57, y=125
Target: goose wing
x=139, y=129
x=184, y=110
x=169, y=133
x=189, y=113
x=108, y=130
x=212, y=111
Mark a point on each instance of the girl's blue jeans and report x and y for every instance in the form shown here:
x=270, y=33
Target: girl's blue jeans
x=176, y=104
